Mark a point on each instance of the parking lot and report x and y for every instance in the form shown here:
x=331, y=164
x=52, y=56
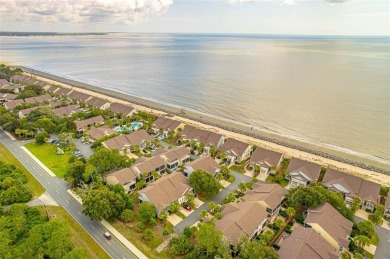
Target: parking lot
x=85, y=149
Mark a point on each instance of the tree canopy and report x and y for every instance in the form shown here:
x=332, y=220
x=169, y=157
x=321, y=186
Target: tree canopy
x=12, y=188
x=103, y=203
x=180, y=245
x=105, y=159
x=147, y=213
x=210, y=240
x=25, y=233
x=254, y=250
x=314, y=195
x=204, y=183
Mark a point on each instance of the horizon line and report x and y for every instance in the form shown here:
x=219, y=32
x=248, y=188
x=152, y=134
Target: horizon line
x=200, y=33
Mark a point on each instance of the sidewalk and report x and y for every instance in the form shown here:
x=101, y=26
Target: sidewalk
x=9, y=135
x=36, y=160
x=114, y=232
x=44, y=199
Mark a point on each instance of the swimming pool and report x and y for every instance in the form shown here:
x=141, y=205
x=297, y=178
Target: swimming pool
x=134, y=126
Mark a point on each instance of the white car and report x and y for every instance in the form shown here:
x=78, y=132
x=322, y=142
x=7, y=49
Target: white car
x=107, y=235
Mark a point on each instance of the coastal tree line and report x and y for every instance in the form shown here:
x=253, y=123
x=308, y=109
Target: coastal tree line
x=26, y=232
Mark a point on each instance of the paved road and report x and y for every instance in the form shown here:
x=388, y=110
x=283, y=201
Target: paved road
x=57, y=189
x=383, y=249
x=194, y=216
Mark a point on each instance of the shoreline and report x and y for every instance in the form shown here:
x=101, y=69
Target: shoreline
x=255, y=137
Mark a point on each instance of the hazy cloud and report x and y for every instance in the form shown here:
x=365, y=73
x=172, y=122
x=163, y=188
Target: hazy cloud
x=80, y=11
x=286, y=2
x=374, y=14
x=338, y=1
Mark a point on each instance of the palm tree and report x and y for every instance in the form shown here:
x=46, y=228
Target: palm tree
x=193, y=144
x=200, y=148
x=362, y=241
x=203, y=214
x=190, y=197
x=242, y=187
x=156, y=175
x=219, y=176
x=171, y=134
x=290, y=212
x=163, y=216
x=213, y=151
x=225, y=172
x=211, y=206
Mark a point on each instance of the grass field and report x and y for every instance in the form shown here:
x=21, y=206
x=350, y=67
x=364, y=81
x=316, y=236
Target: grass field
x=147, y=247
x=32, y=184
x=80, y=237
x=47, y=154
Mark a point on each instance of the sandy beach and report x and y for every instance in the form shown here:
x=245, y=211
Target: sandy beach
x=378, y=175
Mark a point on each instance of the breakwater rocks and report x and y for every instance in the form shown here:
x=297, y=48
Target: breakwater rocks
x=182, y=113
x=297, y=147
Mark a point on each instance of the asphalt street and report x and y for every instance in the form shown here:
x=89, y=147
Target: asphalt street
x=194, y=216
x=57, y=188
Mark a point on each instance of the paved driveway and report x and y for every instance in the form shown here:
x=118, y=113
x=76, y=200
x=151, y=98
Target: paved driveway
x=174, y=219
x=194, y=217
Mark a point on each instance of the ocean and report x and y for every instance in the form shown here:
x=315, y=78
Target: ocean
x=332, y=92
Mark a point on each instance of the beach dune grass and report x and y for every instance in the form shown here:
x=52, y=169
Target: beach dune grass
x=32, y=183
x=80, y=237
x=47, y=154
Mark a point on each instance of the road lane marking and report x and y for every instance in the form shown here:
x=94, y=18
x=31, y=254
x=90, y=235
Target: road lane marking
x=93, y=227
x=48, y=182
x=108, y=242
x=67, y=201
x=79, y=213
x=57, y=191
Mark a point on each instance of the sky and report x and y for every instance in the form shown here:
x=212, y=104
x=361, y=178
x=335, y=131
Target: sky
x=300, y=17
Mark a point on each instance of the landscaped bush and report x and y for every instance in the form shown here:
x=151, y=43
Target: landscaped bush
x=139, y=227
x=180, y=245
x=283, y=213
x=187, y=232
x=127, y=216
x=299, y=218
x=148, y=235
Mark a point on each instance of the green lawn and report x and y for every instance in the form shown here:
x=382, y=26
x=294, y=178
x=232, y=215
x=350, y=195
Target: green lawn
x=238, y=168
x=231, y=179
x=271, y=179
x=47, y=154
x=32, y=183
x=80, y=237
x=169, y=142
x=181, y=215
